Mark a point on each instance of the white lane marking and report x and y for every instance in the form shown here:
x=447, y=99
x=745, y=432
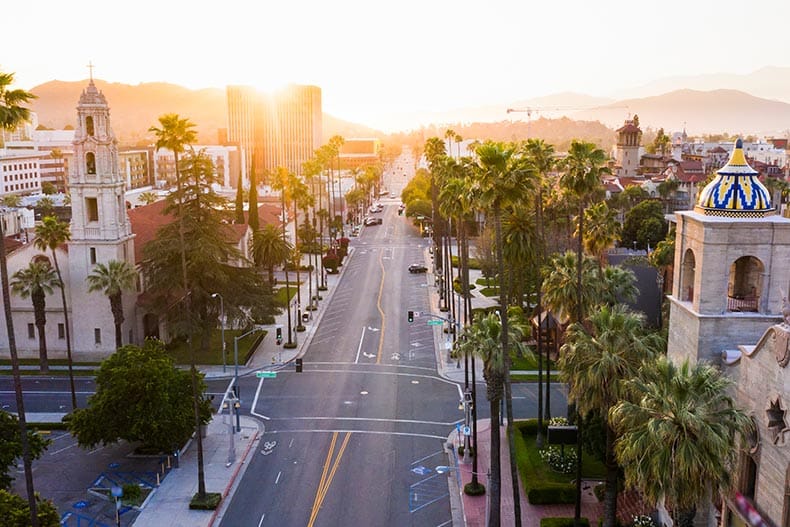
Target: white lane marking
x=371, y=419
x=277, y=480
x=255, y=401
x=359, y=348
x=262, y=517
x=291, y=443
x=63, y=449
x=375, y=432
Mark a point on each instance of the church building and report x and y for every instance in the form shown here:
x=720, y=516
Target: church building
x=100, y=232
x=729, y=307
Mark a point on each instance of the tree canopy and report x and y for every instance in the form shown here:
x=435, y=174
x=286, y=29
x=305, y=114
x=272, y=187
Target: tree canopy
x=140, y=396
x=11, y=447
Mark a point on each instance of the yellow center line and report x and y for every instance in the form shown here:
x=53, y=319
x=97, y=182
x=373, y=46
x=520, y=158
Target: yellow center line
x=317, y=501
x=381, y=311
x=323, y=485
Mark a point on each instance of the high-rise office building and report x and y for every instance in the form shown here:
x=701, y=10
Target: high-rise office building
x=277, y=129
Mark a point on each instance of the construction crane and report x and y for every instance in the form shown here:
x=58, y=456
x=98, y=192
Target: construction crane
x=529, y=110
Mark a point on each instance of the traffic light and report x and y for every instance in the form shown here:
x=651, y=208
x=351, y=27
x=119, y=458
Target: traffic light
x=411, y=316
x=298, y=365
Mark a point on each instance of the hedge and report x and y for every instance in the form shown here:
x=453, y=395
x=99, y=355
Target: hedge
x=562, y=522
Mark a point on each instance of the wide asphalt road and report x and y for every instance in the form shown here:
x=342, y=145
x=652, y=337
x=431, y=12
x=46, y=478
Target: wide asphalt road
x=354, y=439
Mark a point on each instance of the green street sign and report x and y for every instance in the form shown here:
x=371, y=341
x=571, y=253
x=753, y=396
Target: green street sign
x=435, y=322
x=266, y=374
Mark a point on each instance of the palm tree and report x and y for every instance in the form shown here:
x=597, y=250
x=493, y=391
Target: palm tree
x=677, y=434
x=270, y=249
x=595, y=364
x=602, y=231
x=176, y=134
x=52, y=234
x=36, y=282
x=112, y=279
x=146, y=198
x=483, y=339
x=560, y=286
x=501, y=179
x=12, y=113
x=584, y=167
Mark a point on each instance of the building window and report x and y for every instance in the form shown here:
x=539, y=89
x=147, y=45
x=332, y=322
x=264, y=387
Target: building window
x=97, y=335
x=744, y=284
x=687, y=277
x=61, y=331
x=89, y=125
x=93, y=255
x=90, y=163
x=31, y=331
x=92, y=209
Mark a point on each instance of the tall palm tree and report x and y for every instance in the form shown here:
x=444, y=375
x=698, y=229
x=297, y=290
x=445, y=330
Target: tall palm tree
x=12, y=113
x=584, y=167
x=176, y=134
x=52, y=234
x=502, y=178
x=677, y=434
x=112, y=279
x=36, y=282
x=483, y=339
x=595, y=365
x=541, y=157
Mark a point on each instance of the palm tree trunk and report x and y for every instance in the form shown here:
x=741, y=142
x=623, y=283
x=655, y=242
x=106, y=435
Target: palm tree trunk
x=503, y=305
x=116, y=306
x=610, y=499
x=27, y=460
x=42, y=347
x=68, y=331
x=495, y=477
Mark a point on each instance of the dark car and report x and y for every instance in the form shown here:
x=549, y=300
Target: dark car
x=373, y=221
x=417, y=268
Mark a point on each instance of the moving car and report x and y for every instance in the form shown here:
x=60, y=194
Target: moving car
x=418, y=268
x=373, y=221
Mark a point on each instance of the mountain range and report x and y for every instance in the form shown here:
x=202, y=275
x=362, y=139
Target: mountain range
x=756, y=104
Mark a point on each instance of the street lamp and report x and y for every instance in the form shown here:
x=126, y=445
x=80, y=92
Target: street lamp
x=236, y=371
x=117, y=493
x=222, y=315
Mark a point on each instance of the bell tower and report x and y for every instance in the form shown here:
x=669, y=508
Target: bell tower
x=100, y=228
x=731, y=266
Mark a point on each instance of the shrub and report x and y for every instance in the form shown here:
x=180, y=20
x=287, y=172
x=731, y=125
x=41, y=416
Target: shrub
x=643, y=521
x=560, y=461
x=562, y=522
x=474, y=490
x=209, y=503
x=546, y=493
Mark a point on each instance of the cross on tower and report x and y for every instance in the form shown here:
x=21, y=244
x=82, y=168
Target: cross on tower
x=90, y=69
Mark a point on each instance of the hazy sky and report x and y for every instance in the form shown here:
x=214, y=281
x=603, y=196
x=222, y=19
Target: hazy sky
x=376, y=59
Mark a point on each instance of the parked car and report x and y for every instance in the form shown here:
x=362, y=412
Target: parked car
x=418, y=268
x=373, y=221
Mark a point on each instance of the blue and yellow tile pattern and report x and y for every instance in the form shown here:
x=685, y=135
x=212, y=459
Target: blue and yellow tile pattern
x=735, y=191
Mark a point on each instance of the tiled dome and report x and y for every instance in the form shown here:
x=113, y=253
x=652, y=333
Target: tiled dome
x=735, y=191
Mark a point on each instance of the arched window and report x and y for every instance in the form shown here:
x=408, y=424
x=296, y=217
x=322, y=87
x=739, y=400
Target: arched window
x=687, y=276
x=745, y=284
x=90, y=163
x=89, y=126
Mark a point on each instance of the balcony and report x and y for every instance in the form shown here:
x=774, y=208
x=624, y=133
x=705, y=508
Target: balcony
x=735, y=303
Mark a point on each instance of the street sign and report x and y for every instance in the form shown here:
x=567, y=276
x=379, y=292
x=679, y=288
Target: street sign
x=266, y=374
x=435, y=322
x=467, y=431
